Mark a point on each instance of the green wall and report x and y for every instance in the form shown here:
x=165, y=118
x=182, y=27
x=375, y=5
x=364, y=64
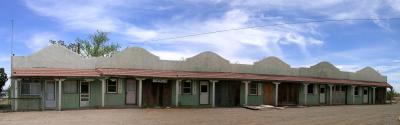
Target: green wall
x=117, y=99
x=252, y=100
x=190, y=99
x=312, y=98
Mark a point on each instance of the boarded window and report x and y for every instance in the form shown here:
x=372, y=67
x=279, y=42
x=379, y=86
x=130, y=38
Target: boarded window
x=253, y=89
x=70, y=87
x=187, y=87
x=310, y=89
x=112, y=86
x=30, y=88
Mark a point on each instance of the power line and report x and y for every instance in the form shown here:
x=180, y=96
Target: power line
x=268, y=25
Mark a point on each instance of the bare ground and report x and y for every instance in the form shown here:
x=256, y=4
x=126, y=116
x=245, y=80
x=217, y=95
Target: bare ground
x=320, y=115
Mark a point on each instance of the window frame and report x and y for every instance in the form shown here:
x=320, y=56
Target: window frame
x=311, y=91
x=185, y=87
x=116, y=86
x=30, y=82
x=257, y=88
x=356, y=91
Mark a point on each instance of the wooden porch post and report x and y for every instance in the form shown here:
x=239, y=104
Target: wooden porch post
x=246, y=91
x=103, y=88
x=276, y=92
x=213, y=91
x=177, y=92
x=16, y=81
x=373, y=95
x=305, y=93
x=59, y=93
x=330, y=93
x=140, y=91
x=353, y=90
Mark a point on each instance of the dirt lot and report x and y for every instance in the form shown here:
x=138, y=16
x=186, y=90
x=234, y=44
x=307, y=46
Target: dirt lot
x=340, y=115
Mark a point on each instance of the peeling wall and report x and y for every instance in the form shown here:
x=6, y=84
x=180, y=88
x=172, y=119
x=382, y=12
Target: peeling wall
x=56, y=56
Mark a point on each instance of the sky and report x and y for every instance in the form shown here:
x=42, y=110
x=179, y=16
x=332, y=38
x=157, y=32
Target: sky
x=349, y=45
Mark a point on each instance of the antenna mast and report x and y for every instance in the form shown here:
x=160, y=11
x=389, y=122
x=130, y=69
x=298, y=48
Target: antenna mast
x=12, y=48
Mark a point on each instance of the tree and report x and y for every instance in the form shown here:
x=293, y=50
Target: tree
x=72, y=46
x=96, y=45
x=3, y=79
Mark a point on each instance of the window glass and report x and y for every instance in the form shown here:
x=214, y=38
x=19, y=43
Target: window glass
x=343, y=88
x=112, y=85
x=35, y=89
x=25, y=88
x=365, y=92
x=203, y=88
x=356, y=91
x=322, y=90
x=337, y=88
x=253, y=89
x=187, y=87
x=310, y=88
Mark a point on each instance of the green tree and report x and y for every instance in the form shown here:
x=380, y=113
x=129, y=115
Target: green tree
x=97, y=45
x=72, y=46
x=3, y=79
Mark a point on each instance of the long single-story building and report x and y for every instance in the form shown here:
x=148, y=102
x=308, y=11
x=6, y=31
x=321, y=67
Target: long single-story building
x=57, y=78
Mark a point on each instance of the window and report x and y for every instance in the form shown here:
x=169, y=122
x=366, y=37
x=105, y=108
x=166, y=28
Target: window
x=365, y=91
x=70, y=87
x=112, y=85
x=344, y=88
x=253, y=89
x=337, y=88
x=310, y=89
x=356, y=91
x=30, y=88
x=187, y=87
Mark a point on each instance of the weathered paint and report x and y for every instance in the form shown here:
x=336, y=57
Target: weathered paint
x=114, y=99
x=252, y=100
x=190, y=99
x=349, y=95
x=56, y=56
x=312, y=98
x=268, y=93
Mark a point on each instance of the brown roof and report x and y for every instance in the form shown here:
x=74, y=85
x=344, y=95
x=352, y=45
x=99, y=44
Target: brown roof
x=181, y=74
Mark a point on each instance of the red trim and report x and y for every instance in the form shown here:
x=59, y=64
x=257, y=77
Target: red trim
x=57, y=72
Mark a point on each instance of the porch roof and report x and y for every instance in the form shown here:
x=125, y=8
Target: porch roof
x=229, y=75
x=57, y=72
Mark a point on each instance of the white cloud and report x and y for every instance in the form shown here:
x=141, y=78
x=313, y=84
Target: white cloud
x=231, y=44
x=40, y=40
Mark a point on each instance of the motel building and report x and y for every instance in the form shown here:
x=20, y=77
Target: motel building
x=56, y=78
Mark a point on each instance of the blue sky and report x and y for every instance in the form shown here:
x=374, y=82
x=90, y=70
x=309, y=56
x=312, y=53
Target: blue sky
x=349, y=45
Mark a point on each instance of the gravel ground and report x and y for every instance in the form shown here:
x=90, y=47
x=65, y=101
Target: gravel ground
x=319, y=115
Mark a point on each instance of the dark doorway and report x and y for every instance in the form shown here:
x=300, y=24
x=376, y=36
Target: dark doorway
x=288, y=94
x=156, y=94
x=227, y=93
x=380, y=94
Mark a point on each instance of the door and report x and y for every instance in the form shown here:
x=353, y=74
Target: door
x=204, y=93
x=268, y=94
x=288, y=94
x=365, y=95
x=131, y=91
x=50, y=94
x=84, y=94
x=322, y=95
